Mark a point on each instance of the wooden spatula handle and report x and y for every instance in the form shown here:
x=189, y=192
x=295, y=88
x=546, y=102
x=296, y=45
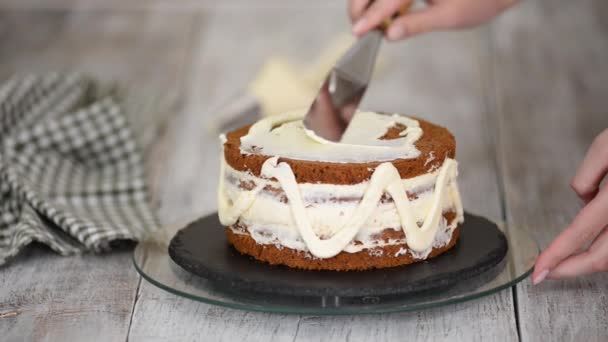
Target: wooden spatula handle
x=404, y=9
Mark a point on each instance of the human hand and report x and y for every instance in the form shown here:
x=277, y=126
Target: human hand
x=439, y=15
x=582, y=248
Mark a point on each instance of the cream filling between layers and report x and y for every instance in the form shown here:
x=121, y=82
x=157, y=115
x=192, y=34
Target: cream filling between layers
x=327, y=229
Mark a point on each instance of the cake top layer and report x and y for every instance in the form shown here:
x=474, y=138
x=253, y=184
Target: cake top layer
x=367, y=139
x=434, y=145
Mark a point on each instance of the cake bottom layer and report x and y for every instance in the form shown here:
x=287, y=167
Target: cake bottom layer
x=377, y=257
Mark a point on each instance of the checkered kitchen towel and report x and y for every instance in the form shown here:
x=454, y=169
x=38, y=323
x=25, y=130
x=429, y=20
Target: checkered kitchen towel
x=71, y=176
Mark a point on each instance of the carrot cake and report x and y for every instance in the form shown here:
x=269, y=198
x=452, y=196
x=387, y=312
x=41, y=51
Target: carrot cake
x=384, y=196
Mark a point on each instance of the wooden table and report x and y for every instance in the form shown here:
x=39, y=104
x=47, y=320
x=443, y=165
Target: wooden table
x=524, y=97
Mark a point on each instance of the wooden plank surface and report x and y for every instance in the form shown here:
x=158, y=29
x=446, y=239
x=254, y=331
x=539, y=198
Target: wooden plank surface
x=44, y=296
x=551, y=86
x=221, y=68
x=164, y=5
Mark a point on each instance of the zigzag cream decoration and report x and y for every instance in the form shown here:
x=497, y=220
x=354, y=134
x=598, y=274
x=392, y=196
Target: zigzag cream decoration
x=384, y=179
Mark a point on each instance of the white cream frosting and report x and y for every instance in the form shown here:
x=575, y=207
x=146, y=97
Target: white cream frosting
x=286, y=136
x=326, y=219
x=299, y=223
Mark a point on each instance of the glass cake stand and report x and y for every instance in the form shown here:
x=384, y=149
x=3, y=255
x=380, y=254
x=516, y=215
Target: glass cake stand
x=152, y=261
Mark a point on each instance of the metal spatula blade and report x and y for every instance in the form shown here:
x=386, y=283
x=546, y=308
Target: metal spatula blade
x=343, y=88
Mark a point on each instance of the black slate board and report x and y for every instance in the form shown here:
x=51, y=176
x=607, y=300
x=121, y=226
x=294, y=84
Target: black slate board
x=202, y=248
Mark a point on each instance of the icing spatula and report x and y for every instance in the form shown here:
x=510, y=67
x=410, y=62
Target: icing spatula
x=344, y=86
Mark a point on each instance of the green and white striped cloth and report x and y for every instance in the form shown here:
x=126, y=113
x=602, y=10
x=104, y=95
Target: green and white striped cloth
x=71, y=174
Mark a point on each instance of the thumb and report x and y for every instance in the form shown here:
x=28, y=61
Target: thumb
x=411, y=24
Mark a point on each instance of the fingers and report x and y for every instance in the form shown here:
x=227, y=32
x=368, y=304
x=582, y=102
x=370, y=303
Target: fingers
x=356, y=8
x=593, y=168
x=411, y=24
x=440, y=15
x=379, y=11
x=585, y=227
x=595, y=259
